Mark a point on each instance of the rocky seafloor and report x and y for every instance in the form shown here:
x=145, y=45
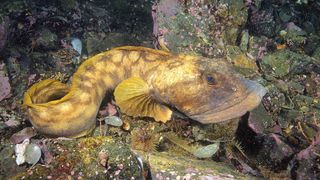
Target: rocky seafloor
x=276, y=43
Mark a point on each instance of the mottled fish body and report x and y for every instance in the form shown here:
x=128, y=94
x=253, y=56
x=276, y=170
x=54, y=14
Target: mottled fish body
x=146, y=82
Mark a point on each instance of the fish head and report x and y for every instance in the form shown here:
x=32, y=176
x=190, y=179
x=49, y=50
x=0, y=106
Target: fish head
x=208, y=90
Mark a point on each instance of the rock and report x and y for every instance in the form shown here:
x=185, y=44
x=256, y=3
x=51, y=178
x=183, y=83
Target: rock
x=262, y=21
x=99, y=12
x=5, y=88
x=26, y=133
x=311, y=43
x=47, y=39
x=17, y=65
x=164, y=9
x=295, y=37
x=304, y=165
x=302, y=100
x=4, y=26
x=244, y=64
x=275, y=152
x=8, y=166
x=206, y=151
x=239, y=14
x=312, y=85
x=277, y=98
x=32, y=154
x=244, y=43
x=309, y=27
x=213, y=132
x=316, y=53
x=26, y=152
x=77, y=46
x=198, y=29
x=109, y=110
x=295, y=87
x=302, y=2
x=113, y=121
x=177, y=166
x=292, y=27
x=258, y=46
x=285, y=14
x=79, y=158
x=289, y=115
x=282, y=86
x=20, y=149
x=103, y=158
x=11, y=120
x=283, y=62
x=68, y=5
x=98, y=42
x=259, y=120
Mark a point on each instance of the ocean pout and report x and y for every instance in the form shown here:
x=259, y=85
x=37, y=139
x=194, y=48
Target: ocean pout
x=146, y=83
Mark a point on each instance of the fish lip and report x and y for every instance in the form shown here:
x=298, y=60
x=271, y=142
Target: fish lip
x=255, y=87
x=251, y=101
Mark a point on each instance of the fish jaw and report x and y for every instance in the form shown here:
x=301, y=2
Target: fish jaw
x=251, y=101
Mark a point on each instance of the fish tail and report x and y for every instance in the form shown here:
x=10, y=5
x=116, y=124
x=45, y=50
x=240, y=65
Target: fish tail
x=58, y=109
x=32, y=93
x=44, y=91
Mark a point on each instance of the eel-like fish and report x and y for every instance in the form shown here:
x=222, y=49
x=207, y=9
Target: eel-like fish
x=146, y=83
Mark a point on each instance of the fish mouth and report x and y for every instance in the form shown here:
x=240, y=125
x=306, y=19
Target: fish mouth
x=255, y=93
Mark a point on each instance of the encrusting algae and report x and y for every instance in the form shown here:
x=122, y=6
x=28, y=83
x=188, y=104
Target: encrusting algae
x=146, y=83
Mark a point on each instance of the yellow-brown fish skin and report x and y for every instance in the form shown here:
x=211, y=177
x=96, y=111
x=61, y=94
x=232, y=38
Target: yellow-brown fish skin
x=178, y=81
x=184, y=85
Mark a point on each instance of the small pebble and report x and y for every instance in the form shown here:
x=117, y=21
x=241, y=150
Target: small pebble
x=113, y=121
x=206, y=151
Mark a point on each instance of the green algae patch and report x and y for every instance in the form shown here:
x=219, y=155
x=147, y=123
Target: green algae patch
x=81, y=159
x=242, y=63
x=284, y=62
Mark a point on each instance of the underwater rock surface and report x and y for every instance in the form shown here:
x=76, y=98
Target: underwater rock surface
x=81, y=159
x=175, y=166
x=198, y=27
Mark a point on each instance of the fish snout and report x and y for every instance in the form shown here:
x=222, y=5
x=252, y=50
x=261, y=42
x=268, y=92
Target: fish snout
x=235, y=106
x=255, y=88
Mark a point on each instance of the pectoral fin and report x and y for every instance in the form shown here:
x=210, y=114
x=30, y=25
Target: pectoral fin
x=133, y=97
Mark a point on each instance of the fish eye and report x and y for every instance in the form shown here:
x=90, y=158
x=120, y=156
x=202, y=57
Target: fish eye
x=211, y=80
